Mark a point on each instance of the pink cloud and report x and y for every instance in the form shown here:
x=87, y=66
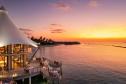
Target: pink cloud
x=93, y=3
x=62, y=6
x=57, y=31
x=53, y=26
x=25, y=29
x=56, y=28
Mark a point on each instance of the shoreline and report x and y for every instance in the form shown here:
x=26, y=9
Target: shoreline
x=59, y=43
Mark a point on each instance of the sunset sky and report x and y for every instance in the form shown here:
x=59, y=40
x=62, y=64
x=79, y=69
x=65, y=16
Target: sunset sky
x=70, y=19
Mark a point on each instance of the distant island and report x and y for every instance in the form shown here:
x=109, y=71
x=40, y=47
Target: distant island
x=45, y=41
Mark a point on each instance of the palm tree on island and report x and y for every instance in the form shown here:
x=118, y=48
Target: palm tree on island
x=45, y=41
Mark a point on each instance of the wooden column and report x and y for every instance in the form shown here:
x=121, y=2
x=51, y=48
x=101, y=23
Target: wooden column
x=24, y=56
x=9, y=58
x=29, y=79
x=4, y=57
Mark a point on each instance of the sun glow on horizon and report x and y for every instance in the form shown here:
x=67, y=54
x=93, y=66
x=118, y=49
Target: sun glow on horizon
x=65, y=20
x=102, y=35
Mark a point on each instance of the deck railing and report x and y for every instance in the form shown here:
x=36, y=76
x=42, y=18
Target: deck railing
x=54, y=68
x=18, y=73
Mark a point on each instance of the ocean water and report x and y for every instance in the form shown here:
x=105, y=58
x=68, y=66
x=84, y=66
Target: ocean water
x=90, y=63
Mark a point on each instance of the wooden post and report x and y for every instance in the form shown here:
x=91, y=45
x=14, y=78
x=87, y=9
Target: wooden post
x=4, y=56
x=30, y=80
x=40, y=53
x=24, y=57
x=9, y=58
x=23, y=80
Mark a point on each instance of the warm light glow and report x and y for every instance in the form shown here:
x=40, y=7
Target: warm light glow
x=1, y=45
x=104, y=33
x=72, y=20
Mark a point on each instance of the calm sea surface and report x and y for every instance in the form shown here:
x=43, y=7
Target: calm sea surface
x=90, y=63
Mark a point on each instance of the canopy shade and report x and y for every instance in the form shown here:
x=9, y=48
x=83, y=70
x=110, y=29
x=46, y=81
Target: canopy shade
x=9, y=33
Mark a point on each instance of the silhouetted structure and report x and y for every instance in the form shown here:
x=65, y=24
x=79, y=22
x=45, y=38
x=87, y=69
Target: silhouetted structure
x=45, y=41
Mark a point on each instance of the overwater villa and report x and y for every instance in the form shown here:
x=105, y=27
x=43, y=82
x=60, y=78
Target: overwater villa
x=17, y=55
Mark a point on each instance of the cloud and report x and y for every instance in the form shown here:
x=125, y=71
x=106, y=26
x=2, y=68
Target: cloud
x=25, y=29
x=62, y=6
x=53, y=26
x=93, y=3
x=56, y=28
x=57, y=31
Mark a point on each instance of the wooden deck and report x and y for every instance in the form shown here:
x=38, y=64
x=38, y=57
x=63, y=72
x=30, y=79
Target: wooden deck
x=47, y=68
x=34, y=68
